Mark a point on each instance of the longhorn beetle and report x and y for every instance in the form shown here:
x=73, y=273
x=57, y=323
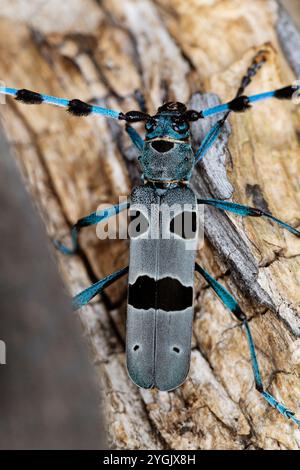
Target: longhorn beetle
x=161, y=271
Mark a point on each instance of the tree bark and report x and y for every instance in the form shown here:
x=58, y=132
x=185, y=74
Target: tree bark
x=105, y=51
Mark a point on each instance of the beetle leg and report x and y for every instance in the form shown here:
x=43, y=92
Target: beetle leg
x=86, y=295
x=245, y=211
x=91, y=219
x=230, y=302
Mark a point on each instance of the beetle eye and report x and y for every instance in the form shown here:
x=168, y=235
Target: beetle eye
x=180, y=126
x=150, y=125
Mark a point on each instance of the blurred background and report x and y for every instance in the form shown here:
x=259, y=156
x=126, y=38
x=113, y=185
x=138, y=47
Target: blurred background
x=46, y=401
x=293, y=7
x=48, y=390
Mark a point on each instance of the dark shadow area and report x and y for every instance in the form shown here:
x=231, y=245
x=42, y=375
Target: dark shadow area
x=49, y=397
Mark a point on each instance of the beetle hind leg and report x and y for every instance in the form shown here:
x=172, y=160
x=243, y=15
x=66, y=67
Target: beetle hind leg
x=229, y=301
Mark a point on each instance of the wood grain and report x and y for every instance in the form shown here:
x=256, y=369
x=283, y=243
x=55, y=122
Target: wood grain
x=104, y=52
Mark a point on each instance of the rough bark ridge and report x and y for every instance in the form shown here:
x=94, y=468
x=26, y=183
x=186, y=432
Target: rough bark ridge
x=105, y=51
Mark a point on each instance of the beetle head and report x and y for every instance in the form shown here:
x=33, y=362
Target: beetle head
x=167, y=153
x=167, y=127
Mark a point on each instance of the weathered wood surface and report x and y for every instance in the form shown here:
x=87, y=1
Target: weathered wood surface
x=105, y=51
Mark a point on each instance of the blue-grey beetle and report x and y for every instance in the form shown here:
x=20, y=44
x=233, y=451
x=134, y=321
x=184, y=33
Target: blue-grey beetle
x=161, y=270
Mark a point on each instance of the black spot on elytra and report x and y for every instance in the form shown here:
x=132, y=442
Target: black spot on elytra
x=138, y=224
x=184, y=224
x=166, y=294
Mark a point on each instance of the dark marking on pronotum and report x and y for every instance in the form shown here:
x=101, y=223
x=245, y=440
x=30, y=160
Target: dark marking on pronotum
x=166, y=294
x=162, y=146
x=79, y=108
x=29, y=97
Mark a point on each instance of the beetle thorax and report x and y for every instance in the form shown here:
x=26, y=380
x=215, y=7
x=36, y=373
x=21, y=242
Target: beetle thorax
x=166, y=164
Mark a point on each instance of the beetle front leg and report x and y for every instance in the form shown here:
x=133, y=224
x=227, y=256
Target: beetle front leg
x=135, y=137
x=257, y=62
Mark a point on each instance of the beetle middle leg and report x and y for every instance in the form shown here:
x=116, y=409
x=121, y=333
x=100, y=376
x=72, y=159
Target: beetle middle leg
x=84, y=297
x=245, y=211
x=91, y=219
x=230, y=302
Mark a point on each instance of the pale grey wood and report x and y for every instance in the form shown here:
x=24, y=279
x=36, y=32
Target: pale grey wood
x=289, y=38
x=210, y=181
